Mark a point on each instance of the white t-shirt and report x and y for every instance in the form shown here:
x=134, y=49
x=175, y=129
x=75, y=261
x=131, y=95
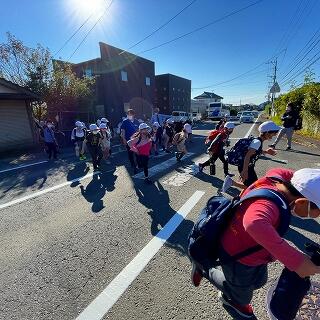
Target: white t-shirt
x=255, y=144
x=187, y=127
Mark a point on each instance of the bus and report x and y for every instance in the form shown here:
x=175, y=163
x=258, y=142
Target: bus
x=215, y=111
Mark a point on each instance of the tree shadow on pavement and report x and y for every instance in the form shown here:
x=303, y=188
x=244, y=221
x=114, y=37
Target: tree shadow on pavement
x=79, y=170
x=156, y=199
x=298, y=239
x=305, y=152
x=96, y=189
x=310, y=225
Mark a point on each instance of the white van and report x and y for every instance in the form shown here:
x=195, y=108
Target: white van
x=180, y=116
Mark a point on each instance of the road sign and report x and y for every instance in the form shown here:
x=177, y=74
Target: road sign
x=275, y=88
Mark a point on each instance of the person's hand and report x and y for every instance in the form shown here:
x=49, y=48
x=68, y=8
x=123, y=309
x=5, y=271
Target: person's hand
x=271, y=151
x=307, y=268
x=244, y=175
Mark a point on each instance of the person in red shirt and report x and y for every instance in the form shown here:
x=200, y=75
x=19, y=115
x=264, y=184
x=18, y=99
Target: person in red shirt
x=141, y=144
x=255, y=222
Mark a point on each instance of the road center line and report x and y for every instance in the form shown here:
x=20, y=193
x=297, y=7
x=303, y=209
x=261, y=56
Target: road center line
x=111, y=294
x=249, y=132
x=39, y=193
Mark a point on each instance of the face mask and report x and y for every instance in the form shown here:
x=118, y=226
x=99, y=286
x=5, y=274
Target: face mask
x=95, y=132
x=50, y=125
x=296, y=215
x=130, y=118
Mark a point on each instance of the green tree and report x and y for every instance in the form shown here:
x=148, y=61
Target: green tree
x=32, y=68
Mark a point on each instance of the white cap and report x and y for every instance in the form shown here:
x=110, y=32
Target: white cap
x=307, y=182
x=156, y=124
x=93, y=126
x=78, y=124
x=105, y=120
x=268, y=126
x=170, y=121
x=143, y=126
x=229, y=125
x=103, y=126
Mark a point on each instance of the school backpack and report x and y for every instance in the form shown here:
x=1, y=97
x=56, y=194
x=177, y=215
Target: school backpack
x=212, y=135
x=237, y=153
x=298, y=124
x=204, y=238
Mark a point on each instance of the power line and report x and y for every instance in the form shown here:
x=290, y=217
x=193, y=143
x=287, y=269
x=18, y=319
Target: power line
x=71, y=37
x=161, y=27
x=295, y=66
x=309, y=45
x=201, y=28
x=87, y=34
x=305, y=67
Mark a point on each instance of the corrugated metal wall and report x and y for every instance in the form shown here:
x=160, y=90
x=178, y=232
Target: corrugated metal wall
x=15, y=128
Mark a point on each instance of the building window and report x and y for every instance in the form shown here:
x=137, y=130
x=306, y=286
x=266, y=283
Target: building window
x=173, y=89
x=164, y=89
x=164, y=98
x=147, y=81
x=124, y=76
x=88, y=73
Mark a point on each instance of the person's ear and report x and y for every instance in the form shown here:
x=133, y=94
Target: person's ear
x=301, y=207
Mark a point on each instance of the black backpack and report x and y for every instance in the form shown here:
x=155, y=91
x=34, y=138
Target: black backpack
x=204, y=238
x=237, y=153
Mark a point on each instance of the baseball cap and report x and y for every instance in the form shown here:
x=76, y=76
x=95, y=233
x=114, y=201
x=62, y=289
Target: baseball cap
x=156, y=124
x=170, y=121
x=307, y=182
x=93, y=126
x=268, y=126
x=143, y=126
x=229, y=125
x=78, y=124
x=104, y=120
x=103, y=126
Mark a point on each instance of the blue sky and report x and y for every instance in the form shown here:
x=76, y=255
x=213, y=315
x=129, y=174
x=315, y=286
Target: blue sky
x=213, y=55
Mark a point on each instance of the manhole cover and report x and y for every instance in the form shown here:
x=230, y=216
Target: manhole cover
x=310, y=307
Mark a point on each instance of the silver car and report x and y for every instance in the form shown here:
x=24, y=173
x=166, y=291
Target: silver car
x=247, y=117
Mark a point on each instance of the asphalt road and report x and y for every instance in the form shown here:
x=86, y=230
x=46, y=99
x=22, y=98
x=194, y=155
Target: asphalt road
x=64, y=241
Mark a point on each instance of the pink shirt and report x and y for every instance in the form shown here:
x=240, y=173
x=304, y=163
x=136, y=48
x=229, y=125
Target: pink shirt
x=255, y=223
x=143, y=148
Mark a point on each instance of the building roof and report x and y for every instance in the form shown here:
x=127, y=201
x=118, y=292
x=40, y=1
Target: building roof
x=170, y=75
x=20, y=93
x=208, y=95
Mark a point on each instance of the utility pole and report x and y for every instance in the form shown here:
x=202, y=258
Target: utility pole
x=273, y=85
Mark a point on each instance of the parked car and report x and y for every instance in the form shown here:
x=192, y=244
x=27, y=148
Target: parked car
x=246, y=116
x=239, y=115
x=255, y=113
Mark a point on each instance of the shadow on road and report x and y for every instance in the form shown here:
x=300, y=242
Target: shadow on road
x=310, y=225
x=156, y=199
x=96, y=189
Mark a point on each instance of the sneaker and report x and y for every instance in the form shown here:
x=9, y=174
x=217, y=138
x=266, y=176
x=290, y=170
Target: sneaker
x=288, y=148
x=168, y=151
x=81, y=158
x=196, y=275
x=227, y=184
x=245, y=311
x=272, y=146
x=84, y=157
x=200, y=167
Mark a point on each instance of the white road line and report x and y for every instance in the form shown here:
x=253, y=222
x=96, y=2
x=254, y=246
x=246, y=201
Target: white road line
x=161, y=167
x=249, y=132
x=39, y=193
x=111, y=294
x=23, y=166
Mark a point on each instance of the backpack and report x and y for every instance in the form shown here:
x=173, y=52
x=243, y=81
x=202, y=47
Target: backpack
x=237, y=153
x=212, y=135
x=298, y=125
x=204, y=238
x=169, y=131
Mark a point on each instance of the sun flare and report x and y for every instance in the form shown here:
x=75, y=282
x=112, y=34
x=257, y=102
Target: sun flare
x=83, y=8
